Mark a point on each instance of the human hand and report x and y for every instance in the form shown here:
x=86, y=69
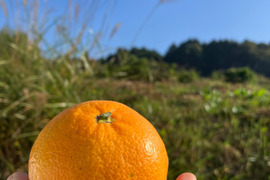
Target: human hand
x=23, y=176
x=186, y=176
x=18, y=176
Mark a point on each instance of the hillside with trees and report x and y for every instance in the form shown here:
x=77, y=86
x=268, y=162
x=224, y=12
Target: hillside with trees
x=220, y=55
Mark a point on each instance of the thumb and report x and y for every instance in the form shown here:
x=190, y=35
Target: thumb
x=18, y=176
x=186, y=176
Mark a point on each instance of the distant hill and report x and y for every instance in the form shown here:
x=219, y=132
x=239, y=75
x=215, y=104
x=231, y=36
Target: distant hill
x=207, y=57
x=123, y=54
x=220, y=55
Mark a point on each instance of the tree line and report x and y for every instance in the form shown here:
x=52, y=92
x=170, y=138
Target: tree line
x=206, y=58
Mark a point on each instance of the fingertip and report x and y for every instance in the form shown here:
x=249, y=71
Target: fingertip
x=18, y=176
x=186, y=176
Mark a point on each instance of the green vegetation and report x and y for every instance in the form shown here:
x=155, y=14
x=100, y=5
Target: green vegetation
x=186, y=76
x=220, y=55
x=238, y=75
x=211, y=127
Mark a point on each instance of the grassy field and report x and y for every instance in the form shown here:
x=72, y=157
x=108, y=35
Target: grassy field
x=214, y=129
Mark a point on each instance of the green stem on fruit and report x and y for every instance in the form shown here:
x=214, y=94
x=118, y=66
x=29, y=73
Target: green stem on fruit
x=105, y=118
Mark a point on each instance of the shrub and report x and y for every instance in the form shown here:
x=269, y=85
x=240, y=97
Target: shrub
x=186, y=76
x=239, y=75
x=217, y=75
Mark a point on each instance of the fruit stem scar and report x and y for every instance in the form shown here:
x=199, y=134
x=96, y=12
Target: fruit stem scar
x=105, y=118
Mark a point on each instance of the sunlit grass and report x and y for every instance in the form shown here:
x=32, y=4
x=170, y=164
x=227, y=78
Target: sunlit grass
x=212, y=128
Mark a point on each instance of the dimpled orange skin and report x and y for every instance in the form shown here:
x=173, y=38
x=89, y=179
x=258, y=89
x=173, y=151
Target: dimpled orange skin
x=73, y=145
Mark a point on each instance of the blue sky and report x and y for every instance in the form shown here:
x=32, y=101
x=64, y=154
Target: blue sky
x=205, y=20
x=173, y=22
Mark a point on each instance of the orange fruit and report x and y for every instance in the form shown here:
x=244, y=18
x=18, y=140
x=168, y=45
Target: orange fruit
x=98, y=140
